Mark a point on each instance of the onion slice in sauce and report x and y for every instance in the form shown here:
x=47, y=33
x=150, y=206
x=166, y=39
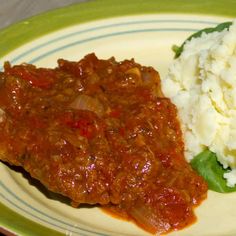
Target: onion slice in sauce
x=85, y=102
x=146, y=218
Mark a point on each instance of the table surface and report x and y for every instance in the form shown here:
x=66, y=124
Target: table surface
x=12, y=11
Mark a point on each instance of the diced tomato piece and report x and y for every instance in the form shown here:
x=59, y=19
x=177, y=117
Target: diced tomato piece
x=86, y=128
x=41, y=78
x=115, y=113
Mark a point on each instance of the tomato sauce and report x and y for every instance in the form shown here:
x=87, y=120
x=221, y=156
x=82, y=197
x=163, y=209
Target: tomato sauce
x=100, y=132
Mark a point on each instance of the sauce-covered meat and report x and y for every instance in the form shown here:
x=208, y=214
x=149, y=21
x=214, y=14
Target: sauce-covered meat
x=100, y=131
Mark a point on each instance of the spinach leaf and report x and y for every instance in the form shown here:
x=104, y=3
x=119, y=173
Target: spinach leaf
x=218, y=28
x=212, y=171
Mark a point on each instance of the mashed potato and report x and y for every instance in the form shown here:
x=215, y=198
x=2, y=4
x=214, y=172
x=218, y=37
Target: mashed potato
x=202, y=84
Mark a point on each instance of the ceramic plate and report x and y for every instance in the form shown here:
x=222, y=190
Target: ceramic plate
x=144, y=30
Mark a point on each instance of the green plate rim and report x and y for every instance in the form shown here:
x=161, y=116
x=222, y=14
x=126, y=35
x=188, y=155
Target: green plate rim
x=34, y=27
x=19, y=224
x=29, y=29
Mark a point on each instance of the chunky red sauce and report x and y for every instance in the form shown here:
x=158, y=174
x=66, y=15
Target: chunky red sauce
x=100, y=131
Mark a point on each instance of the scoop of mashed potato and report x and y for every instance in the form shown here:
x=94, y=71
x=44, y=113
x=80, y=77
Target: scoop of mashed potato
x=202, y=84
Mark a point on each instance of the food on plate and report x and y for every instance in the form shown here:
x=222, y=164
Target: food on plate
x=218, y=28
x=212, y=171
x=100, y=132
x=201, y=82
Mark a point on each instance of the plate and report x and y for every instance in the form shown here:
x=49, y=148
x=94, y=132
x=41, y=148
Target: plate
x=143, y=30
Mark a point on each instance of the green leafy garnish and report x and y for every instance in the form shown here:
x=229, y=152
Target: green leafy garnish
x=212, y=171
x=178, y=50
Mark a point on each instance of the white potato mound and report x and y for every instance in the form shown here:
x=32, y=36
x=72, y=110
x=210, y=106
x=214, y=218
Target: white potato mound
x=202, y=84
